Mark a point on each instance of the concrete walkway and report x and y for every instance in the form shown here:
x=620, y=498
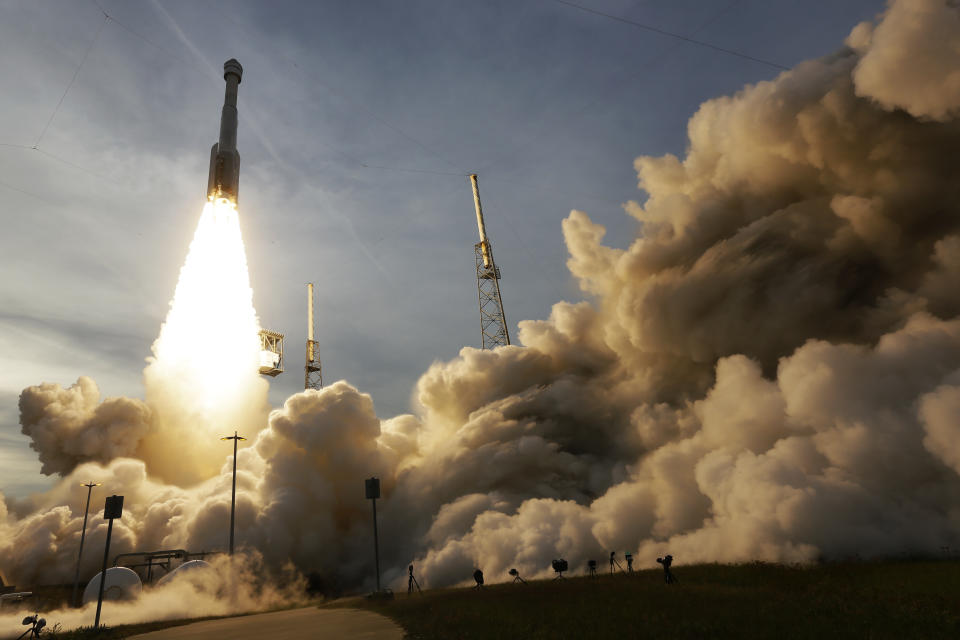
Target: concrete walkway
x=296, y=624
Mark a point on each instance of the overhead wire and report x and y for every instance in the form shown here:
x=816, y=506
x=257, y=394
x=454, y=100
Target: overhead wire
x=671, y=34
x=205, y=73
x=644, y=68
x=28, y=193
x=76, y=72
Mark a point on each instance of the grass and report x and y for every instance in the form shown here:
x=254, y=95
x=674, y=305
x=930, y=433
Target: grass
x=858, y=600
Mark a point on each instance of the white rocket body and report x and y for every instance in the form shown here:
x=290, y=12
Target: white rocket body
x=224, y=180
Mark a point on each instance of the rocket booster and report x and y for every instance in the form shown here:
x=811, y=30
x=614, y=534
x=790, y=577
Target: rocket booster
x=224, y=180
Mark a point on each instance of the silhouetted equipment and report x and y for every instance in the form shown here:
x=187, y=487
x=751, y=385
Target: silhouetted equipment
x=83, y=536
x=412, y=582
x=372, y=486
x=615, y=563
x=224, y=178
x=516, y=576
x=312, y=375
x=36, y=625
x=478, y=577
x=160, y=559
x=14, y=596
x=668, y=576
x=233, y=491
x=112, y=509
x=271, y=353
x=493, y=322
x=592, y=565
x=193, y=568
x=629, y=558
x=559, y=566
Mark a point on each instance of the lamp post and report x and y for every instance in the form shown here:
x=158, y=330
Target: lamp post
x=233, y=493
x=112, y=509
x=372, y=487
x=83, y=535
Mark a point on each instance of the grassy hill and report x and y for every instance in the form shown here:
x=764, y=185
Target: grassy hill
x=857, y=600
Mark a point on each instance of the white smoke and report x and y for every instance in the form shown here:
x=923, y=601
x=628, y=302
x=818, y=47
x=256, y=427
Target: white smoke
x=771, y=370
x=232, y=586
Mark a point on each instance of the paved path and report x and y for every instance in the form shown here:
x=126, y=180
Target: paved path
x=296, y=624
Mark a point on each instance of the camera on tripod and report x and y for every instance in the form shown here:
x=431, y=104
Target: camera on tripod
x=559, y=566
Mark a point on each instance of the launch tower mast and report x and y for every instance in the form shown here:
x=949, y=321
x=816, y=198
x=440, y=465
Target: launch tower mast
x=312, y=376
x=493, y=323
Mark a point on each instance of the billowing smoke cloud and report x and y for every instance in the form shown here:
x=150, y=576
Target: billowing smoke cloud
x=70, y=426
x=771, y=370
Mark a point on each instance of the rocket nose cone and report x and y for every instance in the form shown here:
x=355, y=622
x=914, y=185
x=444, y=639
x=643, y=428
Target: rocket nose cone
x=232, y=66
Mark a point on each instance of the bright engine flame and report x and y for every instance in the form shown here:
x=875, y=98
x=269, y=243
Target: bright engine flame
x=204, y=377
x=210, y=336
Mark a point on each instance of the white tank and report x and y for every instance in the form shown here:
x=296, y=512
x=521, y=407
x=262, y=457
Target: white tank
x=121, y=584
x=187, y=568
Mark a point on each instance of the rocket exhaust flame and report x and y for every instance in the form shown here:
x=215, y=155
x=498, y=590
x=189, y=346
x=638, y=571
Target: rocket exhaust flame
x=204, y=369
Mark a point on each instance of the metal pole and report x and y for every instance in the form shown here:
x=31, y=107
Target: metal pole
x=233, y=493
x=484, y=244
x=376, y=544
x=103, y=574
x=83, y=535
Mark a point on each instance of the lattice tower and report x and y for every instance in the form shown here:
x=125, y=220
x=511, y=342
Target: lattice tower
x=493, y=322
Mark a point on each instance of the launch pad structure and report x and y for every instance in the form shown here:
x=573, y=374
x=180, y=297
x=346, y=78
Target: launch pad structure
x=271, y=353
x=312, y=374
x=493, y=322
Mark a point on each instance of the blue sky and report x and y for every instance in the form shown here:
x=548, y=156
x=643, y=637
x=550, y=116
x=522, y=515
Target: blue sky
x=547, y=103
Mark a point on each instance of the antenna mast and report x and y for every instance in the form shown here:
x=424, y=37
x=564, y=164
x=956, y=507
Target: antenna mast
x=312, y=376
x=493, y=323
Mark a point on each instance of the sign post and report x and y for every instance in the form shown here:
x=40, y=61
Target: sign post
x=112, y=509
x=373, y=492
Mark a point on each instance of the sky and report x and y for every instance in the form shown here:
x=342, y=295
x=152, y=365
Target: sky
x=358, y=124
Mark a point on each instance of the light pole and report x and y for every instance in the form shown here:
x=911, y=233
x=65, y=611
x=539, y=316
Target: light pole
x=233, y=493
x=372, y=487
x=83, y=535
x=112, y=509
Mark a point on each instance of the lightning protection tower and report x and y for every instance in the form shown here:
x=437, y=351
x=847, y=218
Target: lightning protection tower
x=312, y=376
x=493, y=323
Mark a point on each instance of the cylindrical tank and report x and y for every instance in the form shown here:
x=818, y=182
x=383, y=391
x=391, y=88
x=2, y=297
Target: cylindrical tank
x=121, y=584
x=187, y=568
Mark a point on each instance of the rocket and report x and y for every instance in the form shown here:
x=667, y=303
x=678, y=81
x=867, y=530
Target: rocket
x=224, y=180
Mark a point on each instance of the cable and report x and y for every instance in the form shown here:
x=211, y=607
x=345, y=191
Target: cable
x=76, y=166
x=72, y=80
x=644, y=68
x=28, y=193
x=61, y=160
x=436, y=173
x=670, y=34
x=153, y=44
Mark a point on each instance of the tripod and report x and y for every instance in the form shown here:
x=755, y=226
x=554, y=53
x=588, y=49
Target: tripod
x=615, y=562
x=412, y=582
